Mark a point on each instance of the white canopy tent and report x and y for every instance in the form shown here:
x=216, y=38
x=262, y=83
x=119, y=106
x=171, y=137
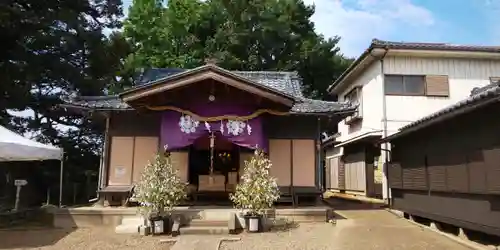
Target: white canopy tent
x=14, y=147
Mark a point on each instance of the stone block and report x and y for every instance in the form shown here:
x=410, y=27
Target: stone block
x=232, y=223
x=330, y=215
x=462, y=234
x=144, y=230
x=176, y=226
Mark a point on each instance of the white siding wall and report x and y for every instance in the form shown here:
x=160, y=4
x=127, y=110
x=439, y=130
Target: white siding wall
x=371, y=82
x=463, y=75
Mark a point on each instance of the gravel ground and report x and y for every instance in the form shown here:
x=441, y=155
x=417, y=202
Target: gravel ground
x=99, y=239
x=362, y=229
x=375, y=229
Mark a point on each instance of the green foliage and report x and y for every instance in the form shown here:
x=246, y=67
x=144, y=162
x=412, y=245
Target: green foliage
x=160, y=188
x=240, y=34
x=163, y=37
x=257, y=190
x=52, y=48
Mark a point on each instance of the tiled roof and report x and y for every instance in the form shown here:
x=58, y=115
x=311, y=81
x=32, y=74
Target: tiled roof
x=376, y=43
x=300, y=107
x=110, y=102
x=316, y=106
x=285, y=82
x=381, y=44
x=478, y=96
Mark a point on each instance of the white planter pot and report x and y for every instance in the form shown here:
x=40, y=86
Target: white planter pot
x=253, y=224
x=158, y=225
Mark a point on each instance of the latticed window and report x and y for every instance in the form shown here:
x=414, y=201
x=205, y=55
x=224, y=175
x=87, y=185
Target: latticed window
x=417, y=85
x=354, y=96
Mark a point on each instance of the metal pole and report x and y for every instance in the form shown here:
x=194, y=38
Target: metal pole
x=61, y=180
x=48, y=196
x=320, y=167
x=386, y=191
x=103, y=161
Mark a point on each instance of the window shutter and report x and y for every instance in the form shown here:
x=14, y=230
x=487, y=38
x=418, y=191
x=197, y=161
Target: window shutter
x=437, y=85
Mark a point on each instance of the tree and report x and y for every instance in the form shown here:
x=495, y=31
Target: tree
x=160, y=188
x=258, y=190
x=53, y=48
x=240, y=34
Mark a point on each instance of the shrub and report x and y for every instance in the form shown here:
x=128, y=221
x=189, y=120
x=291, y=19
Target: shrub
x=160, y=188
x=257, y=189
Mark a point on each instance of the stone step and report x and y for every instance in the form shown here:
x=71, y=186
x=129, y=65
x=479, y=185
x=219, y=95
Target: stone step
x=208, y=223
x=133, y=220
x=203, y=230
x=215, y=214
x=127, y=229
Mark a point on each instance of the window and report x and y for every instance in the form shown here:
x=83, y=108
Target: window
x=417, y=85
x=353, y=96
x=404, y=85
x=495, y=80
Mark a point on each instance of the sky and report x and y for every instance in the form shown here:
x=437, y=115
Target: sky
x=357, y=22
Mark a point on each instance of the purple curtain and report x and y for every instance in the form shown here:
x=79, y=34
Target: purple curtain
x=178, y=130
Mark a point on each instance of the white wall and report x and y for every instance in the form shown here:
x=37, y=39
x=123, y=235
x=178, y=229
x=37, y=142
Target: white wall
x=463, y=75
x=371, y=82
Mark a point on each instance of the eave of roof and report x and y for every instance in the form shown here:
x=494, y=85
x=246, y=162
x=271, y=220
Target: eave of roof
x=301, y=107
x=479, y=98
x=388, y=45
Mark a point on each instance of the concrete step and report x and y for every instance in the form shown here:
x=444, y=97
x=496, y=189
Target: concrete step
x=203, y=230
x=127, y=229
x=208, y=223
x=133, y=220
x=215, y=214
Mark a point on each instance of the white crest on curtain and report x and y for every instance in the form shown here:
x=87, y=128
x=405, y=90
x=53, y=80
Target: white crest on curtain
x=235, y=127
x=188, y=124
x=249, y=129
x=207, y=126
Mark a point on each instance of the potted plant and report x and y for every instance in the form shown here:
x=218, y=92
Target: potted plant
x=256, y=191
x=158, y=191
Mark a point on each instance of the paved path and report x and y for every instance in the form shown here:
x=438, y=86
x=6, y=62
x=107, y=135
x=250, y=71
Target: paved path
x=194, y=242
x=379, y=229
x=362, y=229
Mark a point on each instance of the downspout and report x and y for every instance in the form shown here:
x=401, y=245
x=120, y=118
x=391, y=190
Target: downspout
x=385, y=147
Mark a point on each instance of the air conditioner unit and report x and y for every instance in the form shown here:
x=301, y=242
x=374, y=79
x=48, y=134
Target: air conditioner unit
x=356, y=116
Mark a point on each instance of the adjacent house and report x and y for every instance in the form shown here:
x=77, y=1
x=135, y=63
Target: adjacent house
x=211, y=119
x=445, y=166
x=394, y=84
